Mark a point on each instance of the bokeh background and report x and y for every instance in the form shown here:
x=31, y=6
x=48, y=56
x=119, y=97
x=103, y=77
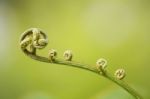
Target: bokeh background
x=117, y=30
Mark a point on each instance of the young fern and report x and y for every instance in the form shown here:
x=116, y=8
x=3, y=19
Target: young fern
x=34, y=39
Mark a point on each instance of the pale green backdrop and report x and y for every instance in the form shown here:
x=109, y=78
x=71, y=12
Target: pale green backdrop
x=117, y=30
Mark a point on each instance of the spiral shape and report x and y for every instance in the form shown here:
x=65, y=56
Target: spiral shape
x=68, y=55
x=33, y=39
x=52, y=55
x=101, y=64
x=120, y=74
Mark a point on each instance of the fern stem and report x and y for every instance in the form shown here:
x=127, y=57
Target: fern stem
x=34, y=38
x=121, y=83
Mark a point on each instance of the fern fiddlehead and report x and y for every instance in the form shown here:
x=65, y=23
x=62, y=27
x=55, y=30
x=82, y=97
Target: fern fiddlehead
x=34, y=39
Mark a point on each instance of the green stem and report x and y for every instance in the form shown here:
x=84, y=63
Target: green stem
x=87, y=67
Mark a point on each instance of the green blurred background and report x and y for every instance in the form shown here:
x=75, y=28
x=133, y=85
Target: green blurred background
x=117, y=30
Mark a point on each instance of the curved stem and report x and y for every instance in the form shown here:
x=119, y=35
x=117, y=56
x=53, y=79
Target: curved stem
x=87, y=67
x=124, y=86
